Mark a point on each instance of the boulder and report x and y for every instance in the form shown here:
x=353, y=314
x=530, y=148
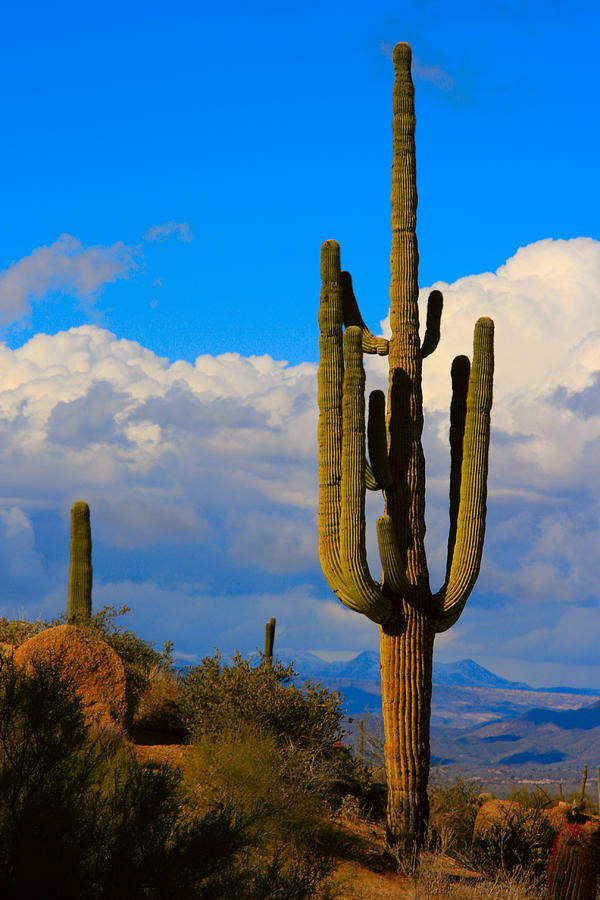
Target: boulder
x=494, y=812
x=559, y=815
x=91, y=665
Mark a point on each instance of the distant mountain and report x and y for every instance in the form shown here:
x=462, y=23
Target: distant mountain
x=584, y=719
x=550, y=741
x=468, y=672
x=366, y=666
x=363, y=666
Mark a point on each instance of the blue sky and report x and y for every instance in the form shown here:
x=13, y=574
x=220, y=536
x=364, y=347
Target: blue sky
x=171, y=171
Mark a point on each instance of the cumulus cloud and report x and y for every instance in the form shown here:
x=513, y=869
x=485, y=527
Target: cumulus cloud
x=544, y=301
x=161, y=232
x=151, y=442
x=66, y=267
x=203, y=486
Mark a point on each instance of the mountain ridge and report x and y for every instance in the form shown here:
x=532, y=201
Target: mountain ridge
x=365, y=665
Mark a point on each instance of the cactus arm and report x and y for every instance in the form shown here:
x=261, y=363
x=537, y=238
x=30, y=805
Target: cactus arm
x=352, y=316
x=377, y=440
x=331, y=369
x=371, y=482
x=394, y=574
x=435, y=303
x=366, y=592
x=459, y=373
x=470, y=524
x=79, y=604
x=342, y=435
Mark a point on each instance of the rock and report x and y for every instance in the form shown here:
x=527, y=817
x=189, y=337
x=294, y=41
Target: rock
x=94, y=669
x=558, y=815
x=494, y=812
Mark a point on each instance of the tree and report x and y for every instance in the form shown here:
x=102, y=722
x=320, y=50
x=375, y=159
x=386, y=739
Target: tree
x=408, y=614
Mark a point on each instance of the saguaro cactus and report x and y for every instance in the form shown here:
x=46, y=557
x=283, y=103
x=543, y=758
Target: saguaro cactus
x=402, y=604
x=269, y=638
x=80, y=571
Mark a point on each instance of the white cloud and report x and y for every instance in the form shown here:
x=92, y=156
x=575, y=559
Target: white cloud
x=65, y=266
x=150, y=442
x=545, y=418
x=434, y=74
x=22, y=567
x=162, y=232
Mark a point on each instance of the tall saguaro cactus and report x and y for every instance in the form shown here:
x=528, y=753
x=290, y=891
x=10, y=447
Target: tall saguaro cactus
x=80, y=571
x=408, y=614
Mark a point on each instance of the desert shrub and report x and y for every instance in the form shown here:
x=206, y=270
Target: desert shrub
x=537, y=798
x=80, y=818
x=452, y=813
x=215, y=695
x=158, y=705
x=520, y=842
x=245, y=765
x=304, y=723
x=16, y=631
x=247, y=768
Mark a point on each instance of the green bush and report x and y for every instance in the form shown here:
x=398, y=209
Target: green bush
x=16, y=631
x=267, y=787
x=216, y=695
x=304, y=723
x=80, y=818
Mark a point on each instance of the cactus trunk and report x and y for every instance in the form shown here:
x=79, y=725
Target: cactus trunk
x=79, y=607
x=406, y=651
x=402, y=604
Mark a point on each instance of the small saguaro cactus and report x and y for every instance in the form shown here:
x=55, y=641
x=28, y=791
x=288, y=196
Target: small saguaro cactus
x=581, y=795
x=269, y=638
x=80, y=571
x=409, y=615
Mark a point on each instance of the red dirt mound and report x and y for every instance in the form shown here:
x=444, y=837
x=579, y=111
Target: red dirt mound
x=94, y=669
